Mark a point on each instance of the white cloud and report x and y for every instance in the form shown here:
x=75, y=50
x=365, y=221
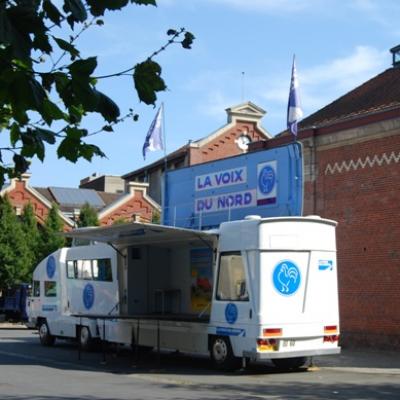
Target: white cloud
x=382, y=13
x=348, y=71
x=323, y=83
x=215, y=102
x=268, y=6
x=319, y=85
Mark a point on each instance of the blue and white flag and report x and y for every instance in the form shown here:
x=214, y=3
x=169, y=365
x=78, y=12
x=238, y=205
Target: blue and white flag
x=154, y=137
x=294, y=111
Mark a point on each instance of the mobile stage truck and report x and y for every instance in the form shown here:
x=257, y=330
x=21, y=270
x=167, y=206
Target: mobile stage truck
x=253, y=289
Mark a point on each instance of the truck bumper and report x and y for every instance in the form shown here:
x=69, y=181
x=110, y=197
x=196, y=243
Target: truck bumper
x=290, y=354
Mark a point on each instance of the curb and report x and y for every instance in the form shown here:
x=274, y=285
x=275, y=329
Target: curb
x=12, y=326
x=361, y=370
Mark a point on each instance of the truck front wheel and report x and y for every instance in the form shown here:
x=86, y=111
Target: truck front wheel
x=222, y=355
x=289, y=363
x=46, y=339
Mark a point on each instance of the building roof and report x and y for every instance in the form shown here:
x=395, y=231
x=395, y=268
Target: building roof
x=380, y=93
x=69, y=199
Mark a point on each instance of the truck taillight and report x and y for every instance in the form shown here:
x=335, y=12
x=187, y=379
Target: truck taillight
x=330, y=329
x=331, y=339
x=267, y=344
x=270, y=332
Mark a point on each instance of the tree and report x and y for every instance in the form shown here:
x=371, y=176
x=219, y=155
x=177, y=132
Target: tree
x=32, y=236
x=51, y=238
x=155, y=218
x=88, y=216
x=14, y=253
x=44, y=97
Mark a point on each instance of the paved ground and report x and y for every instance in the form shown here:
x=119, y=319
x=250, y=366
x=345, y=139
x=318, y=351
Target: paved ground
x=30, y=371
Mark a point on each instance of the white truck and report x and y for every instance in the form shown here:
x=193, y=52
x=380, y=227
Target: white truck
x=255, y=289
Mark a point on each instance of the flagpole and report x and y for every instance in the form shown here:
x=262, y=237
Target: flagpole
x=164, y=192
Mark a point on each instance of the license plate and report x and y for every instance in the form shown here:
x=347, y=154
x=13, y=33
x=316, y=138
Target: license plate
x=288, y=343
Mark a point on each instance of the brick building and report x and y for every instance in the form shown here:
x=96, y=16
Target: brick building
x=20, y=193
x=132, y=205
x=243, y=127
x=352, y=175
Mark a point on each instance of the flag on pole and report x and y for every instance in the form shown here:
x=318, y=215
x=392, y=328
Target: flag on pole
x=294, y=111
x=154, y=137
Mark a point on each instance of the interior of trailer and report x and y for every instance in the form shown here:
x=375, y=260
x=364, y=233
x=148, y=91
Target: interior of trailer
x=164, y=272
x=171, y=281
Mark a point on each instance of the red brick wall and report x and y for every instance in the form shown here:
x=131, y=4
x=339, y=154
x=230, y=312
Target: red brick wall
x=19, y=197
x=136, y=206
x=366, y=203
x=224, y=145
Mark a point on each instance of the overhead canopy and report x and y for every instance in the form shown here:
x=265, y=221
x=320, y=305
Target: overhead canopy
x=138, y=233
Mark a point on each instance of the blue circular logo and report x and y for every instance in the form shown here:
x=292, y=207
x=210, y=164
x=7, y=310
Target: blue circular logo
x=286, y=277
x=231, y=313
x=266, y=179
x=51, y=267
x=88, y=296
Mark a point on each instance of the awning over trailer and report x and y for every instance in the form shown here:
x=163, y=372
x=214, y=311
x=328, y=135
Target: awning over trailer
x=139, y=233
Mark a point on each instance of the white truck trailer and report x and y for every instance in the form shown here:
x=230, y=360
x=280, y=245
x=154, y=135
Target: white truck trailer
x=256, y=289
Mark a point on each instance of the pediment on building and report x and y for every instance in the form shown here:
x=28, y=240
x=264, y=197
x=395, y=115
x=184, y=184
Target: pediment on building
x=245, y=111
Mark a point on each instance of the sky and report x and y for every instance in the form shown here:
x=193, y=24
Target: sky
x=243, y=51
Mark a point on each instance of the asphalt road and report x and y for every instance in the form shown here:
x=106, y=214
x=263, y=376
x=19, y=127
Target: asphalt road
x=30, y=371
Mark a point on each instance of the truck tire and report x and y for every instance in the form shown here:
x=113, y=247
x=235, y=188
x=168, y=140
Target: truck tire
x=46, y=339
x=85, y=338
x=222, y=355
x=289, y=363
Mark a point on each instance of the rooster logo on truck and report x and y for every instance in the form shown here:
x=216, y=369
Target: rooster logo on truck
x=286, y=277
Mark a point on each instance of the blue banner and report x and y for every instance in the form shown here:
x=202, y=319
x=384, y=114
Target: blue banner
x=268, y=183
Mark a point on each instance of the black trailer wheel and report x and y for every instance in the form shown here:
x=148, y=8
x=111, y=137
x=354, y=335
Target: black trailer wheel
x=46, y=339
x=222, y=355
x=85, y=338
x=289, y=363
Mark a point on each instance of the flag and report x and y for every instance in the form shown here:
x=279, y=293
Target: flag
x=294, y=111
x=154, y=137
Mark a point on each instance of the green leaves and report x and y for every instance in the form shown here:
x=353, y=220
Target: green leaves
x=21, y=163
x=52, y=12
x=83, y=68
x=148, y=81
x=107, y=108
x=51, y=112
x=98, y=7
x=64, y=45
x=72, y=147
x=77, y=9
x=188, y=40
x=88, y=216
x=33, y=142
x=33, y=98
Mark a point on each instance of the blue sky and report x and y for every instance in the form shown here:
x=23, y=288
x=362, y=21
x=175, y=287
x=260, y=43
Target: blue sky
x=338, y=45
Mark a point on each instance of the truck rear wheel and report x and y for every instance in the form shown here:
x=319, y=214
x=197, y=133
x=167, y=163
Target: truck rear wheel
x=222, y=355
x=85, y=338
x=46, y=339
x=289, y=363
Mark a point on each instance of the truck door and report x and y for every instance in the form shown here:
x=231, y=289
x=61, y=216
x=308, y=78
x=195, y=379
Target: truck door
x=231, y=309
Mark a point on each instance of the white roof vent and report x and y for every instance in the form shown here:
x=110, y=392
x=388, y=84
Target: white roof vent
x=252, y=217
x=313, y=216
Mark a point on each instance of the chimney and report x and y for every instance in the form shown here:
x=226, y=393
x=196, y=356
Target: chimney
x=396, y=56
x=131, y=187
